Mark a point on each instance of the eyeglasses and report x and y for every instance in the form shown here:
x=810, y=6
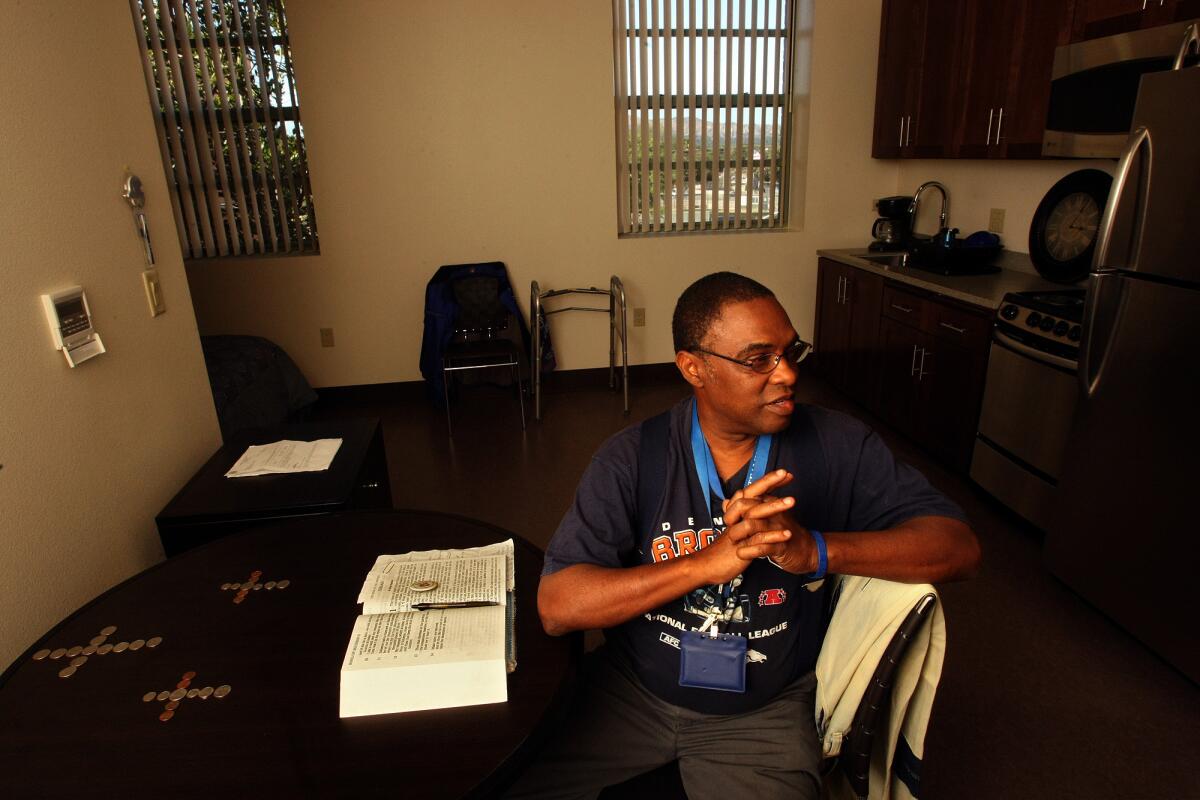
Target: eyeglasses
x=765, y=363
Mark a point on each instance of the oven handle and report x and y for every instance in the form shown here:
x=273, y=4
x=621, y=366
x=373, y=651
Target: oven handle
x=1037, y=355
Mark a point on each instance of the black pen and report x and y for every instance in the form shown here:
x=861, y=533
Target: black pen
x=463, y=604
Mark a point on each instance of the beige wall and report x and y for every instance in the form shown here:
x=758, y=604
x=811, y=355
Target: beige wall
x=89, y=454
x=509, y=104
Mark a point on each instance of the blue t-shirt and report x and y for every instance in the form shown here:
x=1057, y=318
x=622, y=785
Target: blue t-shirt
x=846, y=479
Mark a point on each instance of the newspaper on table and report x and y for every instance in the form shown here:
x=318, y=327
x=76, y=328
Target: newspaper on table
x=285, y=456
x=403, y=658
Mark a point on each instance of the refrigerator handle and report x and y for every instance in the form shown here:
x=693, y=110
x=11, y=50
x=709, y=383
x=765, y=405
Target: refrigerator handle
x=1101, y=317
x=1191, y=41
x=1136, y=141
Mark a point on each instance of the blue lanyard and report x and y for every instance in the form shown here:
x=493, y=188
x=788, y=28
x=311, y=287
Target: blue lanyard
x=706, y=471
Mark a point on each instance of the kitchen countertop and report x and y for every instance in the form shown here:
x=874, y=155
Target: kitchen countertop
x=980, y=290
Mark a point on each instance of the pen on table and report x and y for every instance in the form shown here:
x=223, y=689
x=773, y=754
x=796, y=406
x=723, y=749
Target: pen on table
x=463, y=604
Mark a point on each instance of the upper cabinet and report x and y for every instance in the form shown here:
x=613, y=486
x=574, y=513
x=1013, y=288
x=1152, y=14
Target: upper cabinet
x=1096, y=18
x=913, y=86
x=1002, y=76
x=971, y=79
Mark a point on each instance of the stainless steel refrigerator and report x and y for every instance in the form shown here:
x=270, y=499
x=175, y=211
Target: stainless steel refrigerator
x=1125, y=532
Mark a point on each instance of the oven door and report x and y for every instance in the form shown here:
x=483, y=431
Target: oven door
x=1028, y=404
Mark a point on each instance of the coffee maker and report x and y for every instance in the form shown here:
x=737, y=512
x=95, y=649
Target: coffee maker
x=891, y=229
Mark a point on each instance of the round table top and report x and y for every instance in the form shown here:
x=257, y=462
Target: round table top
x=280, y=651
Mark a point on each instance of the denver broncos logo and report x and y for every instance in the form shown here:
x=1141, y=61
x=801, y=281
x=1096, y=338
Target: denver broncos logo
x=771, y=597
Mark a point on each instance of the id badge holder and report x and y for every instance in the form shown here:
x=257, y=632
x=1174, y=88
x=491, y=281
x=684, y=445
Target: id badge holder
x=712, y=661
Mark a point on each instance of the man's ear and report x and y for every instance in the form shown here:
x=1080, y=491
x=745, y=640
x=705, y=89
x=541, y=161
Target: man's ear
x=691, y=367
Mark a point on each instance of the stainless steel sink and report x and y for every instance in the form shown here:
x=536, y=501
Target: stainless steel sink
x=888, y=260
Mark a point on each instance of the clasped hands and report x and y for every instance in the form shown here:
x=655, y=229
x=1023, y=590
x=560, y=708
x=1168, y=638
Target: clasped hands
x=761, y=525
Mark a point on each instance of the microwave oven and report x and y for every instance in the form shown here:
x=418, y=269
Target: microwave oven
x=1094, y=87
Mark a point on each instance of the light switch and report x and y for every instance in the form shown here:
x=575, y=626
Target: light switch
x=996, y=220
x=153, y=292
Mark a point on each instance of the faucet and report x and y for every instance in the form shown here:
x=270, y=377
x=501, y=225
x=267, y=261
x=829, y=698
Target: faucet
x=912, y=207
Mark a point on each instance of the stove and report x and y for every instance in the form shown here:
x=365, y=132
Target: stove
x=1046, y=321
x=1029, y=400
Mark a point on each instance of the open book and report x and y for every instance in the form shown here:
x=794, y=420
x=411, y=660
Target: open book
x=403, y=658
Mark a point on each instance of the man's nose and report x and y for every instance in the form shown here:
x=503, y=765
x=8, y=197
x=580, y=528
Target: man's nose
x=784, y=373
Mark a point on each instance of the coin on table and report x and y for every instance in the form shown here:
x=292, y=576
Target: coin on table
x=149, y=696
x=137, y=644
x=206, y=692
x=183, y=684
x=234, y=586
x=67, y=671
x=108, y=631
x=423, y=586
x=256, y=574
x=58, y=653
x=163, y=695
x=78, y=661
x=166, y=716
x=222, y=690
x=74, y=651
x=90, y=650
x=187, y=676
x=257, y=586
x=104, y=649
x=179, y=694
x=269, y=585
x=225, y=586
x=98, y=640
x=154, y=641
x=41, y=654
x=120, y=647
x=192, y=693
x=283, y=584
x=171, y=706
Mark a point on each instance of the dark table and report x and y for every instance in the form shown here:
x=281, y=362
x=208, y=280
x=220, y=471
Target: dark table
x=211, y=506
x=277, y=732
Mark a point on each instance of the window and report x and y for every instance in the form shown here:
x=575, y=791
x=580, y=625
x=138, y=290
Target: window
x=703, y=113
x=220, y=78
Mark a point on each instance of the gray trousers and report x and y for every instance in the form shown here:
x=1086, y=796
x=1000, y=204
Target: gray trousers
x=617, y=729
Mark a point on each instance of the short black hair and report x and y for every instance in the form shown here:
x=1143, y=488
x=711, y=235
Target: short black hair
x=701, y=303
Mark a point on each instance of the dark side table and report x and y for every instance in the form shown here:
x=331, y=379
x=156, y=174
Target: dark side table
x=211, y=506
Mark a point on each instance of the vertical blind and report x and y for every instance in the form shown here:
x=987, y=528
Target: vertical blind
x=220, y=78
x=702, y=113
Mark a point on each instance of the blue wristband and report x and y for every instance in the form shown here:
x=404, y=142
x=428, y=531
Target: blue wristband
x=822, y=557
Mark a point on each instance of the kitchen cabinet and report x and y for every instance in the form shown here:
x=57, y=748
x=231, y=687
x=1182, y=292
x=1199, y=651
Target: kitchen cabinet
x=913, y=82
x=848, y=328
x=919, y=364
x=1003, y=72
x=1096, y=18
x=966, y=79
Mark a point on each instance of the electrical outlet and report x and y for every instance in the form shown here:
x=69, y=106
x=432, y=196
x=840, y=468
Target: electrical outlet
x=326, y=337
x=153, y=289
x=639, y=317
x=996, y=221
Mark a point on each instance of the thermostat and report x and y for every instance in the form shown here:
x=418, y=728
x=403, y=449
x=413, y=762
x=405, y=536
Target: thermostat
x=70, y=321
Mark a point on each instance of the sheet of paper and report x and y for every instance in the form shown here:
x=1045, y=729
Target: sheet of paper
x=426, y=637
x=284, y=457
x=389, y=589
x=504, y=548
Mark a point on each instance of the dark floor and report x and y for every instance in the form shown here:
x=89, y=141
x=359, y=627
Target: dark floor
x=1041, y=696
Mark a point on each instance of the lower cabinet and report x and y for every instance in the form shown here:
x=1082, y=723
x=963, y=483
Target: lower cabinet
x=922, y=368
x=848, y=327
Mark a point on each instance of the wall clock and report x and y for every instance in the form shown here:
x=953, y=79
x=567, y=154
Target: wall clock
x=1065, y=226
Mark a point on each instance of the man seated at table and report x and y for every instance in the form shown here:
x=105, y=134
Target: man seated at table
x=749, y=510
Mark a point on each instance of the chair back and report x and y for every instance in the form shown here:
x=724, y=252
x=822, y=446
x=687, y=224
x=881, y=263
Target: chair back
x=479, y=306
x=869, y=718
